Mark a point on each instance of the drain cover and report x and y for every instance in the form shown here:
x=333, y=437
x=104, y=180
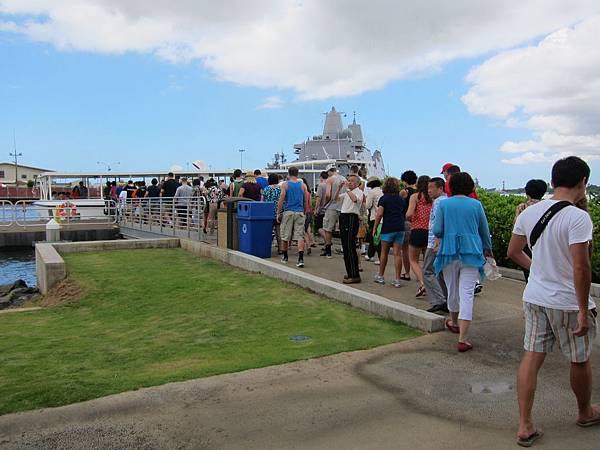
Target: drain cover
x=299, y=338
x=491, y=388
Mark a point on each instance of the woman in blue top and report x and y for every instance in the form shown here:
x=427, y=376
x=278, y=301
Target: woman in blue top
x=463, y=229
x=390, y=209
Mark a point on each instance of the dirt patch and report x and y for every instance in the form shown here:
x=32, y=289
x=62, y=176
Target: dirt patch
x=65, y=292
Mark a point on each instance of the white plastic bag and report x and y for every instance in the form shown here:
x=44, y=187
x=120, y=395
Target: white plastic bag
x=491, y=269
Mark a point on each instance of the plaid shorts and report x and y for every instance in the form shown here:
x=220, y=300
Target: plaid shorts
x=544, y=326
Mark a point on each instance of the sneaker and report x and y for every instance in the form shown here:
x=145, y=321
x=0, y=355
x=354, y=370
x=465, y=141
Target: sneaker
x=376, y=262
x=351, y=280
x=396, y=283
x=367, y=258
x=329, y=256
x=379, y=279
x=324, y=252
x=478, y=288
x=438, y=308
x=284, y=260
x=300, y=263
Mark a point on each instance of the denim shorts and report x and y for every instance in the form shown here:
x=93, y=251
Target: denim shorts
x=397, y=237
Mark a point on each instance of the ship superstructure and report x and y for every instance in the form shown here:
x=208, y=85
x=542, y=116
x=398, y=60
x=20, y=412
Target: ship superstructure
x=337, y=146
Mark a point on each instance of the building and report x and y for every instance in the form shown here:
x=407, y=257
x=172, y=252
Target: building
x=24, y=173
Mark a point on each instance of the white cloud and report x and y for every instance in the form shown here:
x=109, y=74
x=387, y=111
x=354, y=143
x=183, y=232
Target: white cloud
x=318, y=49
x=522, y=147
x=552, y=89
x=272, y=103
x=530, y=157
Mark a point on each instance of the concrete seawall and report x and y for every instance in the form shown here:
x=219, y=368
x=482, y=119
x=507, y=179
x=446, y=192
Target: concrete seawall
x=14, y=236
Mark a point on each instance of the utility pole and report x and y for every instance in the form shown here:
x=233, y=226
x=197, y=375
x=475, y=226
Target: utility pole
x=16, y=156
x=242, y=150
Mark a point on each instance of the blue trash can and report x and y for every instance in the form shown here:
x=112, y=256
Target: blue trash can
x=255, y=227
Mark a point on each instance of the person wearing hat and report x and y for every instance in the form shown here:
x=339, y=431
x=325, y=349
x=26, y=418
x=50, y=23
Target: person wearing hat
x=444, y=171
x=448, y=170
x=251, y=189
x=373, y=196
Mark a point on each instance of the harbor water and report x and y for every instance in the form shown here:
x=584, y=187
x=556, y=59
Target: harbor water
x=15, y=263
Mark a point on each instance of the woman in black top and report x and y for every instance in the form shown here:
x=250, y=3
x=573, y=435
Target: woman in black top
x=250, y=189
x=410, y=180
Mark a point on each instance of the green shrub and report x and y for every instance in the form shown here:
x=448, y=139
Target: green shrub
x=500, y=212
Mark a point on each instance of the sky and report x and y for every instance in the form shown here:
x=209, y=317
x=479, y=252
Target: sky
x=502, y=88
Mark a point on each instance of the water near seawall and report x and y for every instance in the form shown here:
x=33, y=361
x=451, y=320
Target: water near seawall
x=17, y=263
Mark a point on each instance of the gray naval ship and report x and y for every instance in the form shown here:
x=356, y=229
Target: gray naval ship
x=336, y=146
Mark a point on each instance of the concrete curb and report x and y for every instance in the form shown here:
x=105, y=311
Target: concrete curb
x=356, y=298
x=96, y=246
x=51, y=269
x=512, y=274
x=515, y=274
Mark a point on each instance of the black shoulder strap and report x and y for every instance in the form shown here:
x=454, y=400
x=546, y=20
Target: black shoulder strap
x=543, y=222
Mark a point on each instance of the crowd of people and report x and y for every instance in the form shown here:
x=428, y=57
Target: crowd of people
x=437, y=231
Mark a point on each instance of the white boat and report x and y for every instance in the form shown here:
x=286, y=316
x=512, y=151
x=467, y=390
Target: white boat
x=50, y=206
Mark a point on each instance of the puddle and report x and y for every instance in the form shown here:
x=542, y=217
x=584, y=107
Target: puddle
x=491, y=388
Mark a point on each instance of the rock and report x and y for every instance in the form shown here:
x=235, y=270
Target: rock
x=6, y=288
x=16, y=294
x=5, y=302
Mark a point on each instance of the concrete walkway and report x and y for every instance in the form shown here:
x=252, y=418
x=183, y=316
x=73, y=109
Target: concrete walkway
x=419, y=394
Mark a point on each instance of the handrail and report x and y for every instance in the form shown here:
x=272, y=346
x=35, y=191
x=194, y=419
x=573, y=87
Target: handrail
x=164, y=215
x=7, y=213
x=29, y=214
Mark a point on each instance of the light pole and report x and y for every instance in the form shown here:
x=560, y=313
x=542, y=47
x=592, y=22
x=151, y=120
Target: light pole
x=241, y=150
x=16, y=156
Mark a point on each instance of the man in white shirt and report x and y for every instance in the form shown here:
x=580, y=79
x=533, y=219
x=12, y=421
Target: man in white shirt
x=351, y=201
x=558, y=308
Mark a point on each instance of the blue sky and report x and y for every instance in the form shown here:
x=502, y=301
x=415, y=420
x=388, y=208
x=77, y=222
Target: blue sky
x=72, y=108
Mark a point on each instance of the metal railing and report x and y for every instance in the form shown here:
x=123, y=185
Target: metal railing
x=25, y=213
x=7, y=213
x=174, y=216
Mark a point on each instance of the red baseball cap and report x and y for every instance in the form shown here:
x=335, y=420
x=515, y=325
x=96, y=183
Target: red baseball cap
x=446, y=167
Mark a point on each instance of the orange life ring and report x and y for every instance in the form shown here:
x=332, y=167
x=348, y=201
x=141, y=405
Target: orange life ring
x=65, y=209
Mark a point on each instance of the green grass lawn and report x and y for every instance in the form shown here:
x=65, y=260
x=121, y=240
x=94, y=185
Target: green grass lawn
x=149, y=317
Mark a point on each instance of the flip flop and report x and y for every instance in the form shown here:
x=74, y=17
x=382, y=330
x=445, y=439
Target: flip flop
x=464, y=347
x=529, y=440
x=420, y=292
x=453, y=328
x=589, y=423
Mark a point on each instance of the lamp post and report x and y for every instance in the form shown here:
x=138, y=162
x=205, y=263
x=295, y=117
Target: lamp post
x=241, y=150
x=16, y=156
